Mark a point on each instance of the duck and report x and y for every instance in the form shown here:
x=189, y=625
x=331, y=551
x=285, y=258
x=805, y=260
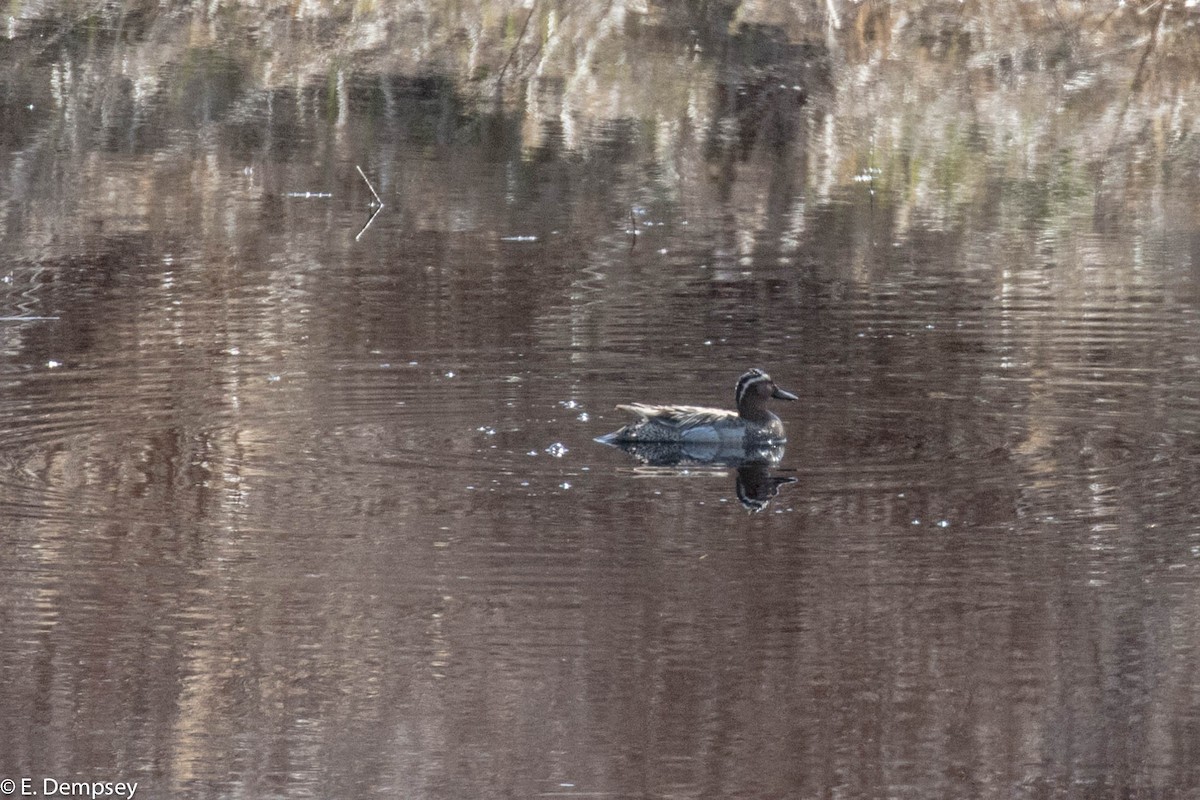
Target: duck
x=752, y=424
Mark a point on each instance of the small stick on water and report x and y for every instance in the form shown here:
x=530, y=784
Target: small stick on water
x=377, y=205
x=378, y=201
x=371, y=219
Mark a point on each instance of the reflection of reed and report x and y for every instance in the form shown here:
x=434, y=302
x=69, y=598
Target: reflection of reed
x=1029, y=88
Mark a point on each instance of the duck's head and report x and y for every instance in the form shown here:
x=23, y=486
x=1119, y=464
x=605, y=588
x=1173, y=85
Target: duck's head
x=753, y=391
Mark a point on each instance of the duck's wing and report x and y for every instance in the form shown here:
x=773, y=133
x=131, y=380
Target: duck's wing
x=679, y=416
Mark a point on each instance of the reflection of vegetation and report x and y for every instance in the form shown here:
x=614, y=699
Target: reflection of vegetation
x=953, y=93
x=752, y=120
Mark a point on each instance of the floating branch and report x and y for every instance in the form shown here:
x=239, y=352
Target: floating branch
x=377, y=205
x=374, y=214
x=378, y=201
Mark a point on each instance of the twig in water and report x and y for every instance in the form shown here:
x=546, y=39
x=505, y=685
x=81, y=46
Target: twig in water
x=374, y=214
x=377, y=205
x=378, y=201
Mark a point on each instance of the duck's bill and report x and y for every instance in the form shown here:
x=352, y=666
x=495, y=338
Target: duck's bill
x=780, y=394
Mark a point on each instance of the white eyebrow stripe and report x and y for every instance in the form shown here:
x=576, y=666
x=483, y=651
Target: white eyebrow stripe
x=746, y=381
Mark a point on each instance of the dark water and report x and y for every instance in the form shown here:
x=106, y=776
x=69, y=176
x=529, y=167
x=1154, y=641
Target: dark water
x=291, y=507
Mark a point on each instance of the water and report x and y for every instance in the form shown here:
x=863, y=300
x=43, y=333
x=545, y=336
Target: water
x=300, y=497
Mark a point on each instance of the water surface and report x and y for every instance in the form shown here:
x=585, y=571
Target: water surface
x=301, y=497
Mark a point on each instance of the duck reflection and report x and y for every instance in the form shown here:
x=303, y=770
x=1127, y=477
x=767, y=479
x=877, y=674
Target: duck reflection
x=756, y=484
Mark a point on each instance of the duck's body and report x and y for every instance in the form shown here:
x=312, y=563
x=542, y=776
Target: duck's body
x=752, y=424
x=686, y=424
